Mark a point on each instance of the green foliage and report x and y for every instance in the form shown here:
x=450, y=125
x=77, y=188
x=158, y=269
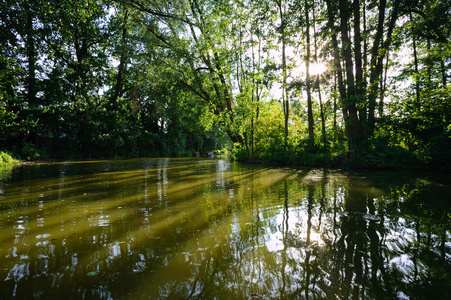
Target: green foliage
x=380, y=155
x=6, y=159
x=30, y=152
x=439, y=150
x=162, y=78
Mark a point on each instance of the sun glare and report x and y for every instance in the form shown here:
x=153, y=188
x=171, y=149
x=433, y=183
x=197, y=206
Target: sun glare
x=317, y=68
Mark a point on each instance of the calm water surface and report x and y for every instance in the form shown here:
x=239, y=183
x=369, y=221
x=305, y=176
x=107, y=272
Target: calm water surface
x=214, y=229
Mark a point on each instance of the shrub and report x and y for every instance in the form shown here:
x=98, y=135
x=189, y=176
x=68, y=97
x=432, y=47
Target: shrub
x=5, y=159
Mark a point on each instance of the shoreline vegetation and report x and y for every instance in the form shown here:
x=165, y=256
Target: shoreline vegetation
x=368, y=161
x=6, y=160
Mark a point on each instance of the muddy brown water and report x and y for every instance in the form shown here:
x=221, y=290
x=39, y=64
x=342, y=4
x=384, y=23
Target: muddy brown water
x=216, y=229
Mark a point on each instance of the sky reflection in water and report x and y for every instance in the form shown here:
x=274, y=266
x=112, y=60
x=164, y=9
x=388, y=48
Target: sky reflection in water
x=205, y=229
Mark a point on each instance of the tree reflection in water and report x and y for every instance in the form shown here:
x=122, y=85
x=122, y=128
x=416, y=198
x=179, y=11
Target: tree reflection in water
x=204, y=229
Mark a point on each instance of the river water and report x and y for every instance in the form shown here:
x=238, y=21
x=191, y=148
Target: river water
x=216, y=229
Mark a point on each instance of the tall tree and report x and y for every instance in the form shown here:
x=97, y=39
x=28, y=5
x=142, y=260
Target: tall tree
x=123, y=50
x=76, y=35
x=307, y=72
x=357, y=111
x=318, y=80
x=282, y=29
x=196, y=32
x=379, y=51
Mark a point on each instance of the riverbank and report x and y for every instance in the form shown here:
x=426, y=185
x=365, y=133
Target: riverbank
x=370, y=160
x=390, y=159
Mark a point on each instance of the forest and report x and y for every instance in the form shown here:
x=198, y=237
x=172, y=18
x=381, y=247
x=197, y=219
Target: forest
x=322, y=82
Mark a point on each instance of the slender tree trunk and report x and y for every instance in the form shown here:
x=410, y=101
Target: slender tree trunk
x=118, y=91
x=446, y=100
x=31, y=84
x=323, y=121
x=415, y=60
x=360, y=91
x=383, y=88
x=374, y=71
x=31, y=57
x=254, y=87
x=335, y=107
x=307, y=79
x=443, y=71
x=318, y=84
x=337, y=66
x=385, y=54
x=285, y=102
x=428, y=65
x=353, y=128
x=365, y=45
x=378, y=53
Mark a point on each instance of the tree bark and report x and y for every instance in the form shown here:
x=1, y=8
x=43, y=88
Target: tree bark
x=285, y=103
x=318, y=85
x=31, y=58
x=415, y=61
x=118, y=91
x=374, y=67
x=352, y=125
x=360, y=89
x=378, y=53
x=307, y=76
x=337, y=64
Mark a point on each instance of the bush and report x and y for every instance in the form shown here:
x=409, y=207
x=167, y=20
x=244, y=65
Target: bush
x=440, y=150
x=29, y=151
x=240, y=154
x=6, y=159
x=377, y=153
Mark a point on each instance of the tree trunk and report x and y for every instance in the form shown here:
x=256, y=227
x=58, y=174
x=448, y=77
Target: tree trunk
x=365, y=46
x=337, y=64
x=31, y=57
x=360, y=91
x=307, y=76
x=378, y=53
x=417, y=74
x=31, y=72
x=383, y=88
x=352, y=125
x=318, y=84
x=335, y=107
x=118, y=91
x=285, y=102
x=446, y=100
x=374, y=68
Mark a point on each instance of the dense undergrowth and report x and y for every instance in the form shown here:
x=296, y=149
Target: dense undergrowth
x=380, y=152
x=6, y=159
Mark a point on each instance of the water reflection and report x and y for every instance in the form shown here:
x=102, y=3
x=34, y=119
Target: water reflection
x=204, y=229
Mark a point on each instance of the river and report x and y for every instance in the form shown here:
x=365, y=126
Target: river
x=216, y=229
